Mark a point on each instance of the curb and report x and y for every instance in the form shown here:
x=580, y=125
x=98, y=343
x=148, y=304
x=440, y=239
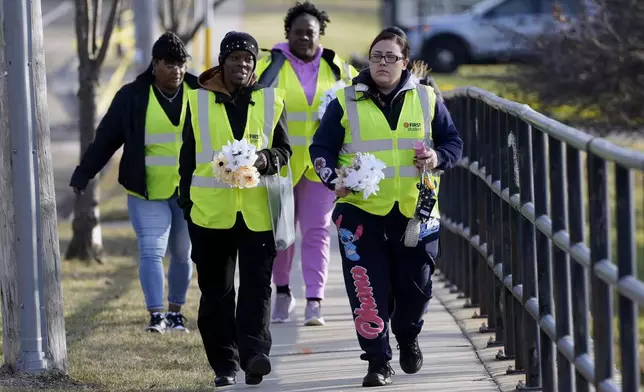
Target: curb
x=470, y=328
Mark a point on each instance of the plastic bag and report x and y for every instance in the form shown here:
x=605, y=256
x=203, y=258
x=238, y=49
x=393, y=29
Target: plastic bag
x=281, y=205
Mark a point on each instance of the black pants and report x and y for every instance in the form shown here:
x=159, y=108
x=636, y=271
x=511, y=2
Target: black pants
x=375, y=261
x=233, y=335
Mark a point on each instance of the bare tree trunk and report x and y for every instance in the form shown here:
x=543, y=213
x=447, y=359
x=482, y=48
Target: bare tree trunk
x=54, y=344
x=174, y=16
x=86, y=243
x=119, y=26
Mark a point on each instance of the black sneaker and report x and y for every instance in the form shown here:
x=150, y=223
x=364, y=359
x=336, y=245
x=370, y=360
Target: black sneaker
x=157, y=324
x=258, y=367
x=378, y=375
x=411, y=358
x=175, y=321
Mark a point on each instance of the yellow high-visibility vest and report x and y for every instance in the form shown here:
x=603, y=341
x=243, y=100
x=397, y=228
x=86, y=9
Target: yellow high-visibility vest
x=215, y=204
x=303, y=118
x=162, y=146
x=368, y=131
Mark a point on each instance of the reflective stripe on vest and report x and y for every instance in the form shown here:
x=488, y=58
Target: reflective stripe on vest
x=209, y=182
x=160, y=138
x=269, y=117
x=359, y=145
x=302, y=115
x=216, y=205
x=162, y=143
x=368, y=131
x=207, y=154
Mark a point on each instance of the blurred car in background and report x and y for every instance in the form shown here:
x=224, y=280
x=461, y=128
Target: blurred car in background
x=447, y=34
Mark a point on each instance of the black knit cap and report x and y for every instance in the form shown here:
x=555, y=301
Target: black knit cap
x=237, y=40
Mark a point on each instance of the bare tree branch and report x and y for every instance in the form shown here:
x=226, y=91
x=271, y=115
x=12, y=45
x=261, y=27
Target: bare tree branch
x=174, y=20
x=591, y=65
x=96, y=20
x=82, y=27
x=179, y=15
x=184, y=8
x=161, y=7
x=107, y=35
x=191, y=34
x=217, y=3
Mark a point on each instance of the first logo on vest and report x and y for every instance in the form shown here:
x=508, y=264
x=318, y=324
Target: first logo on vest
x=412, y=127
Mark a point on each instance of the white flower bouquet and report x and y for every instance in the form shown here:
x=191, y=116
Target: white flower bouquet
x=329, y=96
x=363, y=175
x=234, y=165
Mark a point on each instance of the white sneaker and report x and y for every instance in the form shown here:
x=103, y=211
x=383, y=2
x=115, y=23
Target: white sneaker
x=284, y=305
x=158, y=323
x=313, y=314
x=175, y=322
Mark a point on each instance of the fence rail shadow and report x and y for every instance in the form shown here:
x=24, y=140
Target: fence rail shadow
x=522, y=251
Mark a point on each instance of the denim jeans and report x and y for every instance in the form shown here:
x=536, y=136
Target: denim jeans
x=159, y=225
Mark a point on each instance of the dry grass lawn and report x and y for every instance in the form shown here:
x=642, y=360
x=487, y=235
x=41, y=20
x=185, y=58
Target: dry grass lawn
x=105, y=318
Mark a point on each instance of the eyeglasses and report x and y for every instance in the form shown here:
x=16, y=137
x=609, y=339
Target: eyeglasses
x=389, y=58
x=172, y=67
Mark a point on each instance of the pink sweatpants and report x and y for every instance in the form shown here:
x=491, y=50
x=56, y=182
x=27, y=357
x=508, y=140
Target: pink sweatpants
x=313, y=209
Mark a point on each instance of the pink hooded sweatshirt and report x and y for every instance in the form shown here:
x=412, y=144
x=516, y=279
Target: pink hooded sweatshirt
x=307, y=73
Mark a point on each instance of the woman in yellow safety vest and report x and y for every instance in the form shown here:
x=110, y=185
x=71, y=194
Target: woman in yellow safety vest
x=226, y=223
x=146, y=117
x=306, y=71
x=383, y=113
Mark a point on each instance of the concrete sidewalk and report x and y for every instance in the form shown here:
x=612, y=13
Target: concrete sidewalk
x=328, y=358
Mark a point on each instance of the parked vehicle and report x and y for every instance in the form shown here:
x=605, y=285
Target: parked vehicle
x=488, y=31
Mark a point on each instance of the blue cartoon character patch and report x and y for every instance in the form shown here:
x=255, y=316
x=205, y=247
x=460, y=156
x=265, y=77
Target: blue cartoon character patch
x=432, y=226
x=348, y=239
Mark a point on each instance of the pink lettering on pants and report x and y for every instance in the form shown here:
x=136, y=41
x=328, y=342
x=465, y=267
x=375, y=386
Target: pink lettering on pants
x=368, y=323
x=313, y=209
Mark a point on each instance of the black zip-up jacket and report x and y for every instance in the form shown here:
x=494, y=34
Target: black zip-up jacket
x=124, y=125
x=237, y=113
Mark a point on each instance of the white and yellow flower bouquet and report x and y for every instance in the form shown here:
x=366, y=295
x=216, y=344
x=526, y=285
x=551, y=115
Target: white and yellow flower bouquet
x=235, y=165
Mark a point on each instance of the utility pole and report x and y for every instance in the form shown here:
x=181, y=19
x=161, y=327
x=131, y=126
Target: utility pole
x=145, y=31
x=33, y=324
x=197, y=43
x=387, y=13
x=210, y=22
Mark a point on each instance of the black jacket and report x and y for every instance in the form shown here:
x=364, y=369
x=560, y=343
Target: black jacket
x=236, y=111
x=124, y=125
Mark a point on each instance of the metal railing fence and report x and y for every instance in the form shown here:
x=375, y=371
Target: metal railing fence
x=516, y=245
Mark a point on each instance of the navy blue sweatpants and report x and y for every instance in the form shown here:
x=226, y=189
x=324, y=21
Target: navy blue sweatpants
x=375, y=261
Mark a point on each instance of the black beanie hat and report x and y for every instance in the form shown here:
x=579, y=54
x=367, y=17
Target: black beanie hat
x=236, y=40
